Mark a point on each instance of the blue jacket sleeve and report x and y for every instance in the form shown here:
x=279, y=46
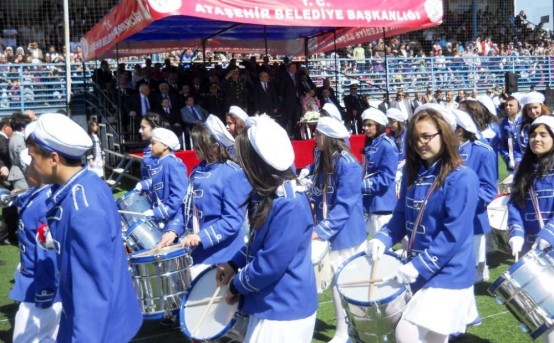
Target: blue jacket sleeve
x=270, y=263
x=45, y=277
x=235, y=201
x=515, y=221
x=380, y=182
x=178, y=182
x=460, y=203
x=348, y=176
x=393, y=231
x=488, y=184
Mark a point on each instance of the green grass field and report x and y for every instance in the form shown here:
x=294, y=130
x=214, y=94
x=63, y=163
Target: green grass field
x=498, y=325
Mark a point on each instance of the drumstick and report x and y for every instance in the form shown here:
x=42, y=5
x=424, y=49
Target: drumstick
x=361, y=282
x=203, y=316
x=132, y=213
x=373, y=274
x=517, y=256
x=203, y=302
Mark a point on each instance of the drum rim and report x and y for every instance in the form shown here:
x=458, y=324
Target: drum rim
x=128, y=194
x=184, y=329
x=382, y=301
x=150, y=258
x=321, y=256
x=141, y=221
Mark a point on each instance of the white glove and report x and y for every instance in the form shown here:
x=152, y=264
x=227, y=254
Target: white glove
x=516, y=243
x=138, y=187
x=375, y=249
x=5, y=200
x=303, y=173
x=511, y=164
x=405, y=274
x=148, y=213
x=541, y=244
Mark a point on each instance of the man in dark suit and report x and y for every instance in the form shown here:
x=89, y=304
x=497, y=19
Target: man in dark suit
x=355, y=105
x=165, y=93
x=140, y=104
x=290, y=104
x=327, y=97
x=190, y=115
x=5, y=164
x=264, y=96
x=326, y=85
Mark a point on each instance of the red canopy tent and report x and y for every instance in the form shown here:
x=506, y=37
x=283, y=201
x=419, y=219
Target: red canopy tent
x=135, y=27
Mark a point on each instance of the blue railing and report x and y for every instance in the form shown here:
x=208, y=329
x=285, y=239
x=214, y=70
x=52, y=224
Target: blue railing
x=43, y=88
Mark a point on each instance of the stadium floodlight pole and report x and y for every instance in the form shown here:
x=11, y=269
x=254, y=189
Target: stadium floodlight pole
x=67, y=55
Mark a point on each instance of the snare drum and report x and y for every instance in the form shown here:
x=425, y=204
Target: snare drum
x=220, y=320
x=371, y=320
x=132, y=201
x=143, y=235
x=526, y=290
x=498, y=218
x=322, y=264
x=160, y=280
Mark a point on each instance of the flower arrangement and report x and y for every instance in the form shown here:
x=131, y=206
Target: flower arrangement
x=310, y=116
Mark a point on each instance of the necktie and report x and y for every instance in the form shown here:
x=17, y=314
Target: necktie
x=265, y=87
x=146, y=105
x=198, y=116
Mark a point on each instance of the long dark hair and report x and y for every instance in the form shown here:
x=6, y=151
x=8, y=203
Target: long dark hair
x=264, y=178
x=526, y=173
x=450, y=157
x=482, y=116
x=330, y=146
x=380, y=130
x=203, y=141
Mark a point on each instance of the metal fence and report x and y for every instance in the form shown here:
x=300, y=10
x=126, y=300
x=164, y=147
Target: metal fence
x=41, y=87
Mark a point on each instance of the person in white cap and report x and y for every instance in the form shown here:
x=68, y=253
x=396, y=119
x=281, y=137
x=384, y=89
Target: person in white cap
x=95, y=286
x=235, y=120
x=337, y=195
x=274, y=275
x=147, y=124
x=509, y=149
x=168, y=183
x=478, y=156
x=530, y=222
x=533, y=107
x=380, y=161
x=437, y=196
x=215, y=202
x=397, y=126
x=35, y=285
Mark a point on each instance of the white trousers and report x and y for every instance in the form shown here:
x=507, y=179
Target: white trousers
x=480, y=248
x=279, y=331
x=374, y=223
x=33, y=324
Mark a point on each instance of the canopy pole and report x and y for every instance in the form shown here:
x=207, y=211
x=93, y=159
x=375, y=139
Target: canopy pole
x=306, y=55
x=386, y=69
x=119, y=109
x=67, y=55
x=204, y=51
x=265, y=39
x=336, y=67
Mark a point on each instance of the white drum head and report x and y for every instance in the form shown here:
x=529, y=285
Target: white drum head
x=359, y=268
x=498, y=213
x=320, y=248
x=217, y=319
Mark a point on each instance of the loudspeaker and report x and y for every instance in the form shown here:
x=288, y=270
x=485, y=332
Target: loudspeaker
x=510, y=81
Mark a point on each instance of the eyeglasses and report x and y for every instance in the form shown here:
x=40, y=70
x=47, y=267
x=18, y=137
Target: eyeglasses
x=427, y=138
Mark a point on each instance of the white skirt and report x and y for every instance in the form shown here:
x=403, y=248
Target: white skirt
x=278, y=331
x=441, y=310
x=33, y=324
x=374, y=223
x=337, y=257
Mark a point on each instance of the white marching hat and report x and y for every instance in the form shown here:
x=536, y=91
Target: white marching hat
x=331, y=127
x=219, y=132
x=446, y=113
x=532, y=98
x=238, y=112
x=271, y=142
x=546, y=120
x=376, y=115
x=486, y=101
x=56, y=132
x=166, y=137
x=332, y=110
x=30, y=128
x=464, y=120
x=395, y=114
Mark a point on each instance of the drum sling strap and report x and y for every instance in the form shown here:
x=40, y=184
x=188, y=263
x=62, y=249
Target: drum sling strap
x=535, y=202
x=420, y=216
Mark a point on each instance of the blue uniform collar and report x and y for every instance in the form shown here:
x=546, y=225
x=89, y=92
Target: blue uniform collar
x=59, y=191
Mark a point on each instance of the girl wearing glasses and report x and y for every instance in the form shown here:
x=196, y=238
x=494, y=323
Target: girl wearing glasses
x=441, y=263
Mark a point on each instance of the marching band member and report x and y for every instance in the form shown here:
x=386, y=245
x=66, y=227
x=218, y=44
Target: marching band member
x=274, y=273
x=235, y=120
x=530, y=219
x=147, y=125
x=380, y=157
x=337, y=185
x=478, y=156
x=437, y=196
x=397, y=125
x=98, y=298
x=35, y=286
x=509, y=126
x=533, y=107
x=168, y=181
x=216, y=199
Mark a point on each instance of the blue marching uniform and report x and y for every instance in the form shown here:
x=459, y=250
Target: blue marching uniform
x=509, y=130
x=168, y=186
x=35, y=280
x=400, y=144
x=442, y=251
x=344, y=226
x=378, y=186
x=148, y=162
x=523, y=222
x=277, y=277
x=219, y=193
x=478, y=156
x=99, y=301
x=523, y=137
x=492, y=136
